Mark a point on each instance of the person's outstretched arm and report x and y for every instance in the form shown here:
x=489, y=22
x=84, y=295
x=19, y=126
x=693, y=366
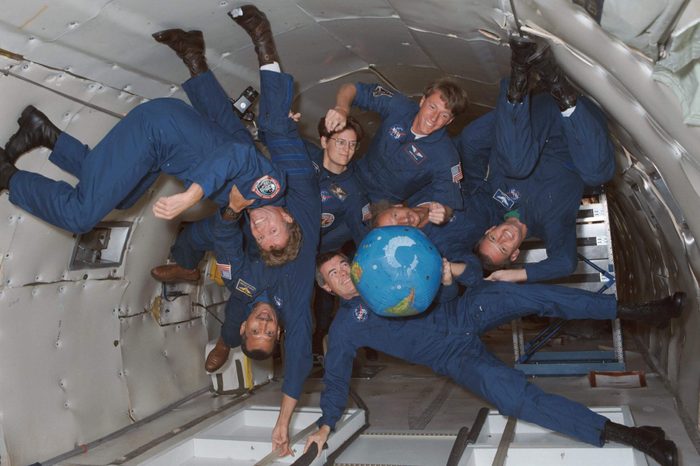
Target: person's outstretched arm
x=169, y=207
x=337, y=117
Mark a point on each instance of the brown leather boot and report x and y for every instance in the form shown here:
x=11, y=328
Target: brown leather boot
x=218, y=356
x=189, y=46
x=173, y=273
x=255, y=23
x=35, y=130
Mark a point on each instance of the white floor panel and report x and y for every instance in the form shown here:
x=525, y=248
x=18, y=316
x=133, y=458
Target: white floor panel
x=414, y=417
x=243, y=438
x=531, y=445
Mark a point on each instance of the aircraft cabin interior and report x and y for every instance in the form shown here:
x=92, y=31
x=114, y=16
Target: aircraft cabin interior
x=100, y=364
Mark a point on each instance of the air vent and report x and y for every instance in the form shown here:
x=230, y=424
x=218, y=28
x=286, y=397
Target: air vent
x=103, y=246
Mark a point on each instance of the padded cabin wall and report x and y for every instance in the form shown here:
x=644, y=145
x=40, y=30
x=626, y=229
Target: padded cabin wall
x=82, y=356
x=655, y=262
x=654, y=194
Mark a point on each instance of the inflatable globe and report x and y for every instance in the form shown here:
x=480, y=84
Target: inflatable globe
x=397, y=271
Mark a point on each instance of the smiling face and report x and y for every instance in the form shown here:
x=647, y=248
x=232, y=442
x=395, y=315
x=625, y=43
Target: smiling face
x=338, y=150
x=401, y=215
x=336, y=275
x=432, y=116
x=261, y=329
x=501, y=243
x=269, y=227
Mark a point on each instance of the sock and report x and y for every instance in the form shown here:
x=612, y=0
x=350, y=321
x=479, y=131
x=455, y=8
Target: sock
x=274, y=66
x=567, y=113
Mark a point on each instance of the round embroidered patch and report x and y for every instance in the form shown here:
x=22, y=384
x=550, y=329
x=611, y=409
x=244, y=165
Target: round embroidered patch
x=266, y=187
x=397, y=132
x=360, y=313
x=327, y=219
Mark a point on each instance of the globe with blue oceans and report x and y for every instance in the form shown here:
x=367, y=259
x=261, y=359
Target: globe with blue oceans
x=397, y=271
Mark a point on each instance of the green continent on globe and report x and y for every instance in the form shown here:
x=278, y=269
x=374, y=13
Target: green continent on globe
x=355, y=272
x=405, y=306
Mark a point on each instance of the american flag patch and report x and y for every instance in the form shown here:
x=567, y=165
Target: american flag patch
x=224, y=270
x=456, y=171
x=366, y=213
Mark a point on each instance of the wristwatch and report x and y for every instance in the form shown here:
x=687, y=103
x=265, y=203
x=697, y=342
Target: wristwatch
x=230, y=215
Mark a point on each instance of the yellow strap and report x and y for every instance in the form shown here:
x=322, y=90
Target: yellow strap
x=248, y=372
x=214, y=274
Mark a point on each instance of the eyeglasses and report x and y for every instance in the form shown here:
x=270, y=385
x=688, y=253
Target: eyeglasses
x=343, y=143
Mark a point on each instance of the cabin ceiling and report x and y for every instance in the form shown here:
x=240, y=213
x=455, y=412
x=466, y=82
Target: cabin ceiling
x=404, y=43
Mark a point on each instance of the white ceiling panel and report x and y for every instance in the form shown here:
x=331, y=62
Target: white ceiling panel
x=478, y=59
x=458, y=18
x=379, y=41
x=323, y=9
x=50, y=21
x=321, y=49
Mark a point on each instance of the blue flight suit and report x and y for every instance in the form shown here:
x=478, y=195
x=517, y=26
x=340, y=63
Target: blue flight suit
x=344, y=213
x=397, y=166
x=68, y=153
x=212, y=103
x=245, y=275
x=296, y=279
x=474, y=145
x=344, y=204
x=447, y=340
x=456, y=239
x=538, y=167
x=289, y=286
x=163, y=135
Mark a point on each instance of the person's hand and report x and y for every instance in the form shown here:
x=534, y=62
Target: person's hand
x=508, y=275
x=295, y=116
x=438, y=213
x=457, y=268
x=236, y=201
x=446, y=272
x=169, y=207
x=336, y=119
x=319, y=438
x=280, y=441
